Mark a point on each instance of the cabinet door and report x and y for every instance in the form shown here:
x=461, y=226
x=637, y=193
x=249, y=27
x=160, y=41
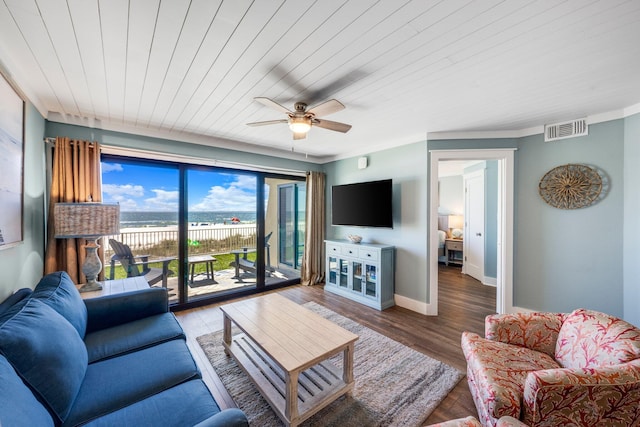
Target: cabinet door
x=356, y=277
x=371, y=281
x=343, y=266
x=333, y=271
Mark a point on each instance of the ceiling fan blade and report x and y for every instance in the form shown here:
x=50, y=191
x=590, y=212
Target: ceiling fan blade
x=299, y=135
x=329, y=107
x=271, y=103
x=267, y=122
x=328, y=124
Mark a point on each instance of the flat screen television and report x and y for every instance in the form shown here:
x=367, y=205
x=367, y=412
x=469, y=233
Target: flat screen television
x=365, y=204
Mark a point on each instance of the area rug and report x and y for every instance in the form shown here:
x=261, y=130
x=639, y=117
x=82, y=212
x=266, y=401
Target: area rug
x=394, y=384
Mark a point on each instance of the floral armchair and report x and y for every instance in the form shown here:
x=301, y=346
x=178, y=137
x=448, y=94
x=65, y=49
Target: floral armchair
x=552, y=369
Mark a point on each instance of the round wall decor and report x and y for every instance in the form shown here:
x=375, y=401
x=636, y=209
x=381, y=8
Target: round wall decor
x=571, y=186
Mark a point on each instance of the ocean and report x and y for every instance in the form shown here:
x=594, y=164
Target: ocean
x=165, y=219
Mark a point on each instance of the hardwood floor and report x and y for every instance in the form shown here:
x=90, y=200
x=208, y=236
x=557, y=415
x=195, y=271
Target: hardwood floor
x=463, y=304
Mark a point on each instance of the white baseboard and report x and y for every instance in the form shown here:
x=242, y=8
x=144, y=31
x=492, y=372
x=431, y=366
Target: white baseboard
x=490, y=281
x=411, y=304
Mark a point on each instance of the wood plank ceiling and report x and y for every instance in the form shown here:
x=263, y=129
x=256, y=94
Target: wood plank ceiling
x=188, y=70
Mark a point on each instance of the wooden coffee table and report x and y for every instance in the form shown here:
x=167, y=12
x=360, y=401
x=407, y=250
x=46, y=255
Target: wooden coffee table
x=284, y=345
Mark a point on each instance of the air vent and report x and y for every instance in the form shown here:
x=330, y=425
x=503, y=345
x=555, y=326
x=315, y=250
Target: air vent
x=565, y=130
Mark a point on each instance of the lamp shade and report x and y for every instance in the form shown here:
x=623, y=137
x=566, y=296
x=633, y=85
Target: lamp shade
x=88, y=220
x=456, y=221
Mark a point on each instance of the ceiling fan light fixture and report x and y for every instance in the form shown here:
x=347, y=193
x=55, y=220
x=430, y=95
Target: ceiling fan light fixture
x=299, y=124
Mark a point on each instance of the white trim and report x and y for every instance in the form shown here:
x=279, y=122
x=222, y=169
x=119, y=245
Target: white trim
x=521, y=310
x=490, y=281
x=633, y=109
x=179, y=158
x=411, y=304
x=504, y=280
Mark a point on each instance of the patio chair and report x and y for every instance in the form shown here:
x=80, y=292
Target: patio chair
x=132, y=263
x=250, y=266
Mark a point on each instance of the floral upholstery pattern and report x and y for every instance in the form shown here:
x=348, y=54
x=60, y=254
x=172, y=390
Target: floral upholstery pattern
x=472, y=422
x=550, y=369
x=588, y=338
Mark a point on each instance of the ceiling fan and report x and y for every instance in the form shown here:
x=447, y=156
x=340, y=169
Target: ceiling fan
x=301, y=120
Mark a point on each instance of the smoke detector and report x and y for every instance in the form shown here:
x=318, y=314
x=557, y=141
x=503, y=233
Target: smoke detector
x=564, y=130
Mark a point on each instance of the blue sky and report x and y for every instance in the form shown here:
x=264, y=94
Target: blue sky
x=155, y=189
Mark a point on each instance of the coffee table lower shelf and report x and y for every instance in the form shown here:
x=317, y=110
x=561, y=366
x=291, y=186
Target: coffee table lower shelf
x=316, y=387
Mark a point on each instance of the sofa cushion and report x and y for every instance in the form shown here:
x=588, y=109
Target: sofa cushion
x=13, y=299
x=47, y=353
x=499, y=371
x=18, y=406
x=590, y=339
x=58, y=291
x=118, y=382
x=183, y=405
x=132, y=336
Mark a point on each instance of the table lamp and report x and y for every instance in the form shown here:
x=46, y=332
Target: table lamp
x=90, y=221
x=455, y=222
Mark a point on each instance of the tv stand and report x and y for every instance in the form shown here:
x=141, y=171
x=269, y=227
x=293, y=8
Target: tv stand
x=361, y=272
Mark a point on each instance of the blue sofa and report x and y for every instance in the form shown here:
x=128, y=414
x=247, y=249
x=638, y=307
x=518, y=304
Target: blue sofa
x=119, y=360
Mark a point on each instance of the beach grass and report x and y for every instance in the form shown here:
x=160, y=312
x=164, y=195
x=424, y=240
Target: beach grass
x=222, y=262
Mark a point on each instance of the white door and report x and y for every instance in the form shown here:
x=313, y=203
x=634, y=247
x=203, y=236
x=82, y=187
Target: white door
x=474, y=225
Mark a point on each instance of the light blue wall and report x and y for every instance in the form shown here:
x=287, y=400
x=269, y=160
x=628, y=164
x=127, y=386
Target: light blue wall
x=407, y=166
x=565, y=259
x=451, y=195
x=22, y=265
x=631, y=224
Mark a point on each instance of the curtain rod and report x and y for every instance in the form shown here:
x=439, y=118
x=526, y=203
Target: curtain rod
x=51, y=140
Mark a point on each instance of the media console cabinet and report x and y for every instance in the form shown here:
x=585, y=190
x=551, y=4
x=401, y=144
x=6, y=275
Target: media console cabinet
x=362, y=272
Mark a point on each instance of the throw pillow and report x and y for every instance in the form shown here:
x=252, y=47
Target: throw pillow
x=13, y=299
x=48, y=354
x=58, y=291
x=589, y=339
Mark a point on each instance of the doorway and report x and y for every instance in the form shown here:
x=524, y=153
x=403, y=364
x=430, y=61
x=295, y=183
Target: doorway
x=504, y=280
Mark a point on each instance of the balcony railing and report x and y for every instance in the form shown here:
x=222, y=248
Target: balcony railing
x=164, y=242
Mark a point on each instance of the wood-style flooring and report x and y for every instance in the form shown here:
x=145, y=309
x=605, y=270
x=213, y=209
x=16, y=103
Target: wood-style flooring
x=463, y=304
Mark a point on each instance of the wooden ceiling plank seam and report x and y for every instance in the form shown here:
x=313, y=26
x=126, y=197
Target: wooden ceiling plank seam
x=213, y=41
x=404, y=73
x=21, y=65
x=169, y=96
x=261, y=84
x=237, y=44
x=269, y=48
x=141, y=27
x=85, y=19
x=171, y=15
x=23, y=17
x=114, y=17
x=198, y=93
x=243, y=98
x=61, y=32
x=166, y=73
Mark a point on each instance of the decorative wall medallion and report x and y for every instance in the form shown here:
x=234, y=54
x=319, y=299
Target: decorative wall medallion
x=571, y=186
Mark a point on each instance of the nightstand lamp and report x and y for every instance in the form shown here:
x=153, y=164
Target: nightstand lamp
x=456, y=222
x=90, y=221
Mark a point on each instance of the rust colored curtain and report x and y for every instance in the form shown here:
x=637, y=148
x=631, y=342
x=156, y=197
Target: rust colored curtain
x=312, y=271
x=75, y=178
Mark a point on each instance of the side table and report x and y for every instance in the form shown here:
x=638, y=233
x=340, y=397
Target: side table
x=117, y=286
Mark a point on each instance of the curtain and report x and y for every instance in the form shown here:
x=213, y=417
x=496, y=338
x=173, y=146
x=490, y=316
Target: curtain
x=75, y=178
x=312, y=271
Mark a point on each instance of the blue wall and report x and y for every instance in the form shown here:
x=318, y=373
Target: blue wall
x=407, y=166
x=22, y=265
x=565, y=259
x=631, y=220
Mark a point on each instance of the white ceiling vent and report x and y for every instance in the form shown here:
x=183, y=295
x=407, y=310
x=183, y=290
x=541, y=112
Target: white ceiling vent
x=564, y=130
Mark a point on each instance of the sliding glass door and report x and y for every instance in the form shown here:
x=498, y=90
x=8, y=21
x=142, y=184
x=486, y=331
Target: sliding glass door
x=216, y=232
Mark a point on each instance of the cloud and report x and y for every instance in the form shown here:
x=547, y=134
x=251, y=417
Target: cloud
x=115, y=190
x=163, y=201
x=111, y=167
x=227, y=199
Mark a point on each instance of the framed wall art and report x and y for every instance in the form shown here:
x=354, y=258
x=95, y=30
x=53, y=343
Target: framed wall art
x=11, y=165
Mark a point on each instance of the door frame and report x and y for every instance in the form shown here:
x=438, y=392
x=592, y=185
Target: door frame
x=504, y=280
